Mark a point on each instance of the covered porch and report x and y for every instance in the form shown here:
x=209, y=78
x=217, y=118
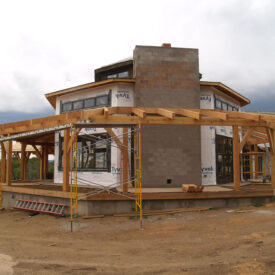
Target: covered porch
x=248, y=129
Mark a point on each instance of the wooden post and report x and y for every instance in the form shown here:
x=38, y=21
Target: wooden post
x=3, y=163
x=45, y=161
x=41, y=167
x=236, y=157
x=23, y=165
x=9, y=162
x=125, y=161
x=66, y=160
x=256, y=157
x=250, y=163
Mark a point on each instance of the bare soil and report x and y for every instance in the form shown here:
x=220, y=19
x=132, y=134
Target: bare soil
x=218, y=241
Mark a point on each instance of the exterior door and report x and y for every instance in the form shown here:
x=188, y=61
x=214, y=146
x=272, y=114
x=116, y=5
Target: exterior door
x=224, y=159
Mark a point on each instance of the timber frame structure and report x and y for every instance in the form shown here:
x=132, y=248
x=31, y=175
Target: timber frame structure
x=253, y=128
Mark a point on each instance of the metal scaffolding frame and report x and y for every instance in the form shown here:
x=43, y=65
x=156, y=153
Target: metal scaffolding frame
x=133, y=181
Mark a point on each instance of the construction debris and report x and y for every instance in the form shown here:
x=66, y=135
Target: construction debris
x=192, y=188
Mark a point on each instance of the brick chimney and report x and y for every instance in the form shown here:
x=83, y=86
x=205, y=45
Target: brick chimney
x=166, y=45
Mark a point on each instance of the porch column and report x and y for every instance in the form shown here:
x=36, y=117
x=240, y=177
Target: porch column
x=125, y=160
x=3, y=163
x=9, y=162
x=66, y=160
x=236, y=157
x=45, y=161
x=250, y=163
x=23, y=164
x=256, y=157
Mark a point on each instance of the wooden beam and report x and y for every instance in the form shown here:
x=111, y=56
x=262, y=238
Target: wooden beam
x=66, y=160
x=212, y=113
x=192, y=114
x=17, y=156
x=245, y=138
x=115, y=138
x=9, y=162
x=236, y=158
x=270, y=139
x=213, y=117
x=3, y=163
x=244, y=115
x=106, y=111
x=125, y=161
x=38, y=153
x=166, y=113
x=139, y=112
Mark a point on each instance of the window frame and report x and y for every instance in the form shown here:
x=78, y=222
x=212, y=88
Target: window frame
x=108, y=97
x=96, y=150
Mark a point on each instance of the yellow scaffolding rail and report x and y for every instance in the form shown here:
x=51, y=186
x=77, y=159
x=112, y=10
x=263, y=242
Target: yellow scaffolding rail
x=248, y=168
x=138, y=173
x=73, y=175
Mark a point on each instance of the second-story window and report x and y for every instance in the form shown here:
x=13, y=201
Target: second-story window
x=87, y=103
x=118, y=75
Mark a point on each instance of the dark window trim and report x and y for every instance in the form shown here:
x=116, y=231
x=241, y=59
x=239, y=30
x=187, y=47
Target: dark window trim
x=109, y=98
x=235, y=109
x=108, y=151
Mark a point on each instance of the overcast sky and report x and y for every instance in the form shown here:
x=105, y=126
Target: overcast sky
x=51, y=45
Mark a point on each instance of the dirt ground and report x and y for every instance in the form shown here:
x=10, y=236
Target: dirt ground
x=218, y=241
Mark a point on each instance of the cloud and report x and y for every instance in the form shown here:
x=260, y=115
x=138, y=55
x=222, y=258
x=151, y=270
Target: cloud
x=52, y=45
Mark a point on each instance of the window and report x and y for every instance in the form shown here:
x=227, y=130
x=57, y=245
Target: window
x=124, y=74
x=90, y=102
x=224, y=106
x=218, y=104
x=93, y=102
x=102, y=100
x=67, y=107
x=77, y=105
x=94, y=152
x=230, y=108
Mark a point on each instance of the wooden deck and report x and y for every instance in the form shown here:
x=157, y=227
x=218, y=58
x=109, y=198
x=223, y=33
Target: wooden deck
x=47, y=188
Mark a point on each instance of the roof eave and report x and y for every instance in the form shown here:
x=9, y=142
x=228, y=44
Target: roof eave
x=223, y=88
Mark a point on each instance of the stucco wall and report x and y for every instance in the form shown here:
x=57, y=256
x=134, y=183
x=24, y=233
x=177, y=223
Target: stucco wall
x=208, y=134
x=122, y=95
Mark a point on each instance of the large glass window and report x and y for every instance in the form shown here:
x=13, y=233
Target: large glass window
x=93, y=152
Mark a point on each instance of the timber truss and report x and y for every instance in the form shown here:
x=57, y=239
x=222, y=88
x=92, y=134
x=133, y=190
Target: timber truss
x=254, y=128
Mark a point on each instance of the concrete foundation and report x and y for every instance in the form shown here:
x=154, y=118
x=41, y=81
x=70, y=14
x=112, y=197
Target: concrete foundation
x=88, y=207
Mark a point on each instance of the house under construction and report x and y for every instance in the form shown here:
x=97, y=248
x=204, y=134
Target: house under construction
x=147, y=125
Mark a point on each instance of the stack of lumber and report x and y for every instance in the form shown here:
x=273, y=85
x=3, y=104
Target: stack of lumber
x=192, y=188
